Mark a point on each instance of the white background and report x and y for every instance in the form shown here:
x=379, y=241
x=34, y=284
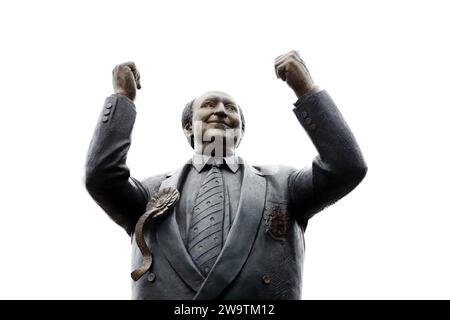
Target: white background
x=385, y=64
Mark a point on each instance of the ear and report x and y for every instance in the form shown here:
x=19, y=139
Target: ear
x=187, y=130
x=189, y=135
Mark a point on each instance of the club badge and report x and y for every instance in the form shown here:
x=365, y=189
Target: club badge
x=277, y=221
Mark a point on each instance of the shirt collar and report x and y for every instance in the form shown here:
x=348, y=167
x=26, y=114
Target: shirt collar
x=199, y=161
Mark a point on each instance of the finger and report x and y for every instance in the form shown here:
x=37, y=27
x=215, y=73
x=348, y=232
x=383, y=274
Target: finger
x=281, y=71
x=276, y=71
x=293, y=54
x=137, y=76
x=296, y=57
x=291, y=61
x=277, y=59
x=285, y=56
x=296, y=54
x=132, y=67
x=280, y=59
x=284, y=71
x=130, y=64
x=134, y=70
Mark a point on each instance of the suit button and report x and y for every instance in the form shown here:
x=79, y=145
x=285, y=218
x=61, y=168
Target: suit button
x=107, y=112
x=304, y=114
x=105, y=119
x=266, y=279
x=108, y=105
x=308, y=120
x=151, y=277
x=312, y=126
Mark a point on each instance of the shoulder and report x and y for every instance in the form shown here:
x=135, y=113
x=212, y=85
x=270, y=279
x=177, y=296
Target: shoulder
x=274, y=170
x=276, y=175
x=277, y=179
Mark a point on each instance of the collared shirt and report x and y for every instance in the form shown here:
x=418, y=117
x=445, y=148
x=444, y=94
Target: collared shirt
x=232, y=178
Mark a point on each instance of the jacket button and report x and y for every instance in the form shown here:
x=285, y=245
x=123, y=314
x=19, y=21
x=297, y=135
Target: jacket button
x=108, y=105
x=266, y=279
x=151, y=277
x=105, y=119
x=312, y=126
x=308, y=120
x=107, y=112
x=304, y=114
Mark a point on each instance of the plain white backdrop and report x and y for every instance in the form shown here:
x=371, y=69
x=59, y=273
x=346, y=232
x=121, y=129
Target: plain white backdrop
x=385, y=63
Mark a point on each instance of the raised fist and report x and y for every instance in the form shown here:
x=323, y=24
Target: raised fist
x=126, y=79
x=291, y=68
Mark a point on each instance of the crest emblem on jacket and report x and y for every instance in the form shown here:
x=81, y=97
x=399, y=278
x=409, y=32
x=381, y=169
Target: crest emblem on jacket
x=277, y=221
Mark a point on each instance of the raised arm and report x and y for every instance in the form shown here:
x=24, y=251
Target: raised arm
x=107, y=176
x=340, y=166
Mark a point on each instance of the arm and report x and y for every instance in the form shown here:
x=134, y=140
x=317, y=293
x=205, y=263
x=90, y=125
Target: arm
x=340, y=166
x=107, y=176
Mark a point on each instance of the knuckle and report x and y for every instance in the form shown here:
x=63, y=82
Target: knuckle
x=291, y=54
x=280, y=63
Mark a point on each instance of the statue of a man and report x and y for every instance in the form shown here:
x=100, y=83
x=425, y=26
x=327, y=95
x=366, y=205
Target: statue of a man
x=232, y=230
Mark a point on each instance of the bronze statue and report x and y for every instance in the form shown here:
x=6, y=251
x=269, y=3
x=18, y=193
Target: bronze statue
x=219, y=228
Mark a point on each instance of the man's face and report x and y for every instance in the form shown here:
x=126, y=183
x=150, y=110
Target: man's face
x=216, y=120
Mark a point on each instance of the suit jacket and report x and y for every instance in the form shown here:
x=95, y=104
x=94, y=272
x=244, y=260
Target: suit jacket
x=262, y=257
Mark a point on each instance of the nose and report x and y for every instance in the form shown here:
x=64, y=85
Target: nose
x=220, y=109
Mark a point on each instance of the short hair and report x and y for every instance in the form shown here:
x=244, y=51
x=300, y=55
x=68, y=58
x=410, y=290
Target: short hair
x=186, y=118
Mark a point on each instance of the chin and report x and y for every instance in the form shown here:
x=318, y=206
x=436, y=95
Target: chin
x=214, y=134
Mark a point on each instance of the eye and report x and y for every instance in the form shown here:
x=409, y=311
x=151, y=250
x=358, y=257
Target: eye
x=230, y=106
x=207, y=104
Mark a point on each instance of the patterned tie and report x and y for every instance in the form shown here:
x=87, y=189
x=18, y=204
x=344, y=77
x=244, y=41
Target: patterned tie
x=205, y=231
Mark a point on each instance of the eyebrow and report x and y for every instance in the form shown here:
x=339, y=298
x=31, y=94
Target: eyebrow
x=217, y=99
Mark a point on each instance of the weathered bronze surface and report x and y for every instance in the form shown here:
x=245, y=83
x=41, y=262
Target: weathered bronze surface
x=267, y=208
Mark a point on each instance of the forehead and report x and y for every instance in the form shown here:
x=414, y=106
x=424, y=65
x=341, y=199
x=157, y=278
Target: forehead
x=214, y=96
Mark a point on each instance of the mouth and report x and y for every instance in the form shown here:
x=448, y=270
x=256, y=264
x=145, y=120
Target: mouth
x=218, y=123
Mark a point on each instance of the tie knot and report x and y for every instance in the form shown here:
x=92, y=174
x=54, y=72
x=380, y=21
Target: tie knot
x=214, y=166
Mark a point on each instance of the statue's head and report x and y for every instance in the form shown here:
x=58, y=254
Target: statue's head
x=213, y=122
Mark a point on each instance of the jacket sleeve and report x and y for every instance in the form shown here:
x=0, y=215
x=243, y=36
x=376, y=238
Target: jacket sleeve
x=338, y=168
x=107, y=176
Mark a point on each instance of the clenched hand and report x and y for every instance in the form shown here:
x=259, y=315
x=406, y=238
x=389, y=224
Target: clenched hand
x=290, y=68
x=126, y=79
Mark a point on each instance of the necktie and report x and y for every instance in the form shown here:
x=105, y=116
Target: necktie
x=205, y=232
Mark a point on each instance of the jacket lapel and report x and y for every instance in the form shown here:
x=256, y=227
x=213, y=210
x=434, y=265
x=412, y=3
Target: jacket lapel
x=241, y=238
x=169, y=238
